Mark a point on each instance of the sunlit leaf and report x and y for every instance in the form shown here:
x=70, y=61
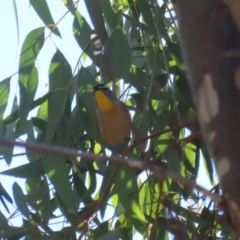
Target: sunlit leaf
x=4, y=95
x=59, y=83
x=127, y=190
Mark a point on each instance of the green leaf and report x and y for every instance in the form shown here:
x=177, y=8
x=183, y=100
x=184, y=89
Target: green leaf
x=55, y=168
x=172, y=157
x=81, y=189
x=28, y=76
x=156, y=59
x=39, y=123
x=127, y=190
x=67, y=211
x=141, y=117
x=208, y=163
x=101, y=230
x=16, y=18
x=7, y=151
x=87, y=115
x=43, y=12
x=137, y=78
x=159, y=21
x=63, y=130
x=85, y=81
x=183, y=86
x=175, y=52
x=30, y=49
x=39, y=197
x=29, y=170
x=127, y=233
x=115, y=234
x=162, y=142
x=4, y=95
x=92, y=180
x=116, y=57
x=70, y=6
x=4, y=222
x=190, y=155
x=106, y=178
x=20, y=200
x=82, y=33
x=43, y=111
x=15, y=113
x=144, y=7
x=27, y=94
x=12, y=233
x=60, y=76
x=4, y=195
x=197, y=159
x=109, y=14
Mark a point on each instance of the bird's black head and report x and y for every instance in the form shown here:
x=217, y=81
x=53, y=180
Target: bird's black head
x=100, y=87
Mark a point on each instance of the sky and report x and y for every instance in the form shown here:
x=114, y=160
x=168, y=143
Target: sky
x=10, y=48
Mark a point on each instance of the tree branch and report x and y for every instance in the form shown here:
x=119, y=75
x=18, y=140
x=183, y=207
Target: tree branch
x=158, y=171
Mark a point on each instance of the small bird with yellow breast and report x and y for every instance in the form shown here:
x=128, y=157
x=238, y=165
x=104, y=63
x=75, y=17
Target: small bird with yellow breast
x=113, y=118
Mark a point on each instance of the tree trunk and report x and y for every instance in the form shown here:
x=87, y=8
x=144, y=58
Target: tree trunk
x=211, y=48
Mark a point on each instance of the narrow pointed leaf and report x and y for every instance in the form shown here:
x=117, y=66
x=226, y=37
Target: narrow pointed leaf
x=4, y=94
x=28, y=77
x=27, y=94
x=116, y=57
x=127, y=190
x=59, y=82
x=20, y=200
x=82, y=33
x=29, y=170
x=109, y=14
x=55, y=168
x=70, y=4
x=43, y=12
x=15, y=113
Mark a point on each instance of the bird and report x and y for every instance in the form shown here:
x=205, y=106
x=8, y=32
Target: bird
x=112, y=115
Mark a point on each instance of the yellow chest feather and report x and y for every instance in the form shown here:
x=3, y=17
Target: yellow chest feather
x=104, y=103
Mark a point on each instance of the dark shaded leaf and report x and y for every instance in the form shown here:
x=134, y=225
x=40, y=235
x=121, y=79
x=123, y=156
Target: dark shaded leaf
x=116, y=57
x=144, y=7
x=15, y=113
x=82, y=33
x=70, y=4
x=20, y=200
x=29, y=170
x=43, y=12
x=109, y=14
x=39, y=123
x=10, y=134
x=4, y=195
x=55, y=168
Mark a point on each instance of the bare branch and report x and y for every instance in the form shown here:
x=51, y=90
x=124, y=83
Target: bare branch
x=158, y=171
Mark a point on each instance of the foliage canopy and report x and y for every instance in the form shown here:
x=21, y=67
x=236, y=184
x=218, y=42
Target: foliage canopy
x=142, y=61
